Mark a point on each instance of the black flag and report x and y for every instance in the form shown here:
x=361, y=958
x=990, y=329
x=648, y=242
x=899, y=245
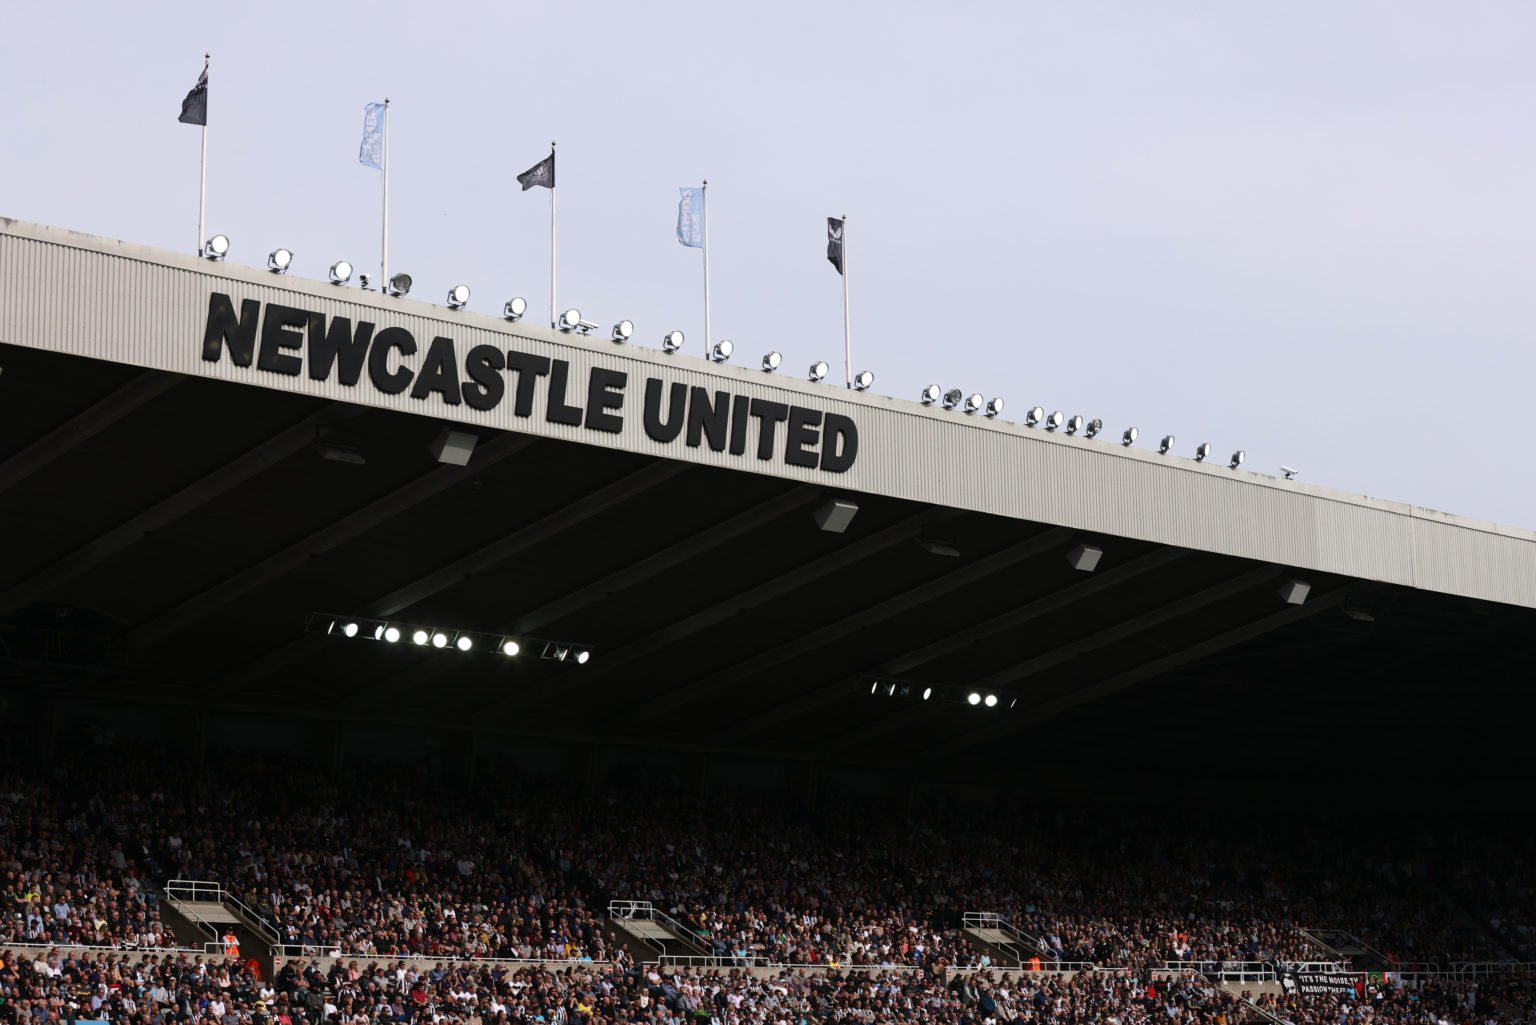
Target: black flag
x=194, y=109
x=542, y=173
x=835, y=242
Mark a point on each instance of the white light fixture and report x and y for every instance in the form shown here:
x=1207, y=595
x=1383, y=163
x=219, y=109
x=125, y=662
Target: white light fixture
x=515, y=308
x=569, y=321
x=510, y=648
x=973, y=698
x=458, y=295
x=1074, y=424
x=1202, y=451
x=419, y=637
x=874, y=686
x=927, y=693
x=931, y=394
x=439, y=640
x=463, y=643
x=1093, y=428
x=1085, y=558
x=1055, y=420
x=1129, y=437
x=819, y=371
x=771, y=361
x=350, y=629
x=1032, y=415
x=217, y=247
x=994, y=407
x=672, y=341
x=953, y=398
x=622, y=330
x=834, y=515
x=1295, y=592
x=973, y=403
x=279, y=260
x=1290, y=472
x=341, y=272
x=1237, y=459
x=391, y=634
x=362, y=281
x=722, y=350
x=991, y=701
x=400, y=284
x=862, y=380
x=1165, y=445
x=582, y=657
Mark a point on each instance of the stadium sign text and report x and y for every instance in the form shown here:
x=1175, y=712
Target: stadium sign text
x=290, y=341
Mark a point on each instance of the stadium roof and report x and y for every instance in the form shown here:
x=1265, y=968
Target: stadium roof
x=199, y=456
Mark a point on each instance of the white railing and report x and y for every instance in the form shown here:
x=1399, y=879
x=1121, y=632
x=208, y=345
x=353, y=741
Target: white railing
x=195, y=890
x=645, y=911
x=1226, y=971
x=1474, y=969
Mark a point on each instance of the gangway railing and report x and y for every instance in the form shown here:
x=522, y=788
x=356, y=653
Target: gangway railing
x=645, y=911
x=1018, y=945
x=181, y=892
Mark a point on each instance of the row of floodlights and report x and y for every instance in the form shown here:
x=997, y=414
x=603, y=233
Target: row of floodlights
x=443, y=638
x=928, y=691
x=1057, y=420
x=280, y=260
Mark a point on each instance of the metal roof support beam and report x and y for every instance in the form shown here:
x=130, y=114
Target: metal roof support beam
x=119, y=539
x=477, y=561
x=427, y=486
x=84, y=426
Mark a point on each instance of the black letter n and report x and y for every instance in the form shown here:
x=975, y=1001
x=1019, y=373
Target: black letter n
x=224, y=328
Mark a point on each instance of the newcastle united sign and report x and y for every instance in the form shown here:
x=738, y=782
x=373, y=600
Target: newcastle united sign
x=291, y=341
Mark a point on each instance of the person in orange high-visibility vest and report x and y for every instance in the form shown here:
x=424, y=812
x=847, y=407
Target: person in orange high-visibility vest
x=231, y=945
x=1034, y=963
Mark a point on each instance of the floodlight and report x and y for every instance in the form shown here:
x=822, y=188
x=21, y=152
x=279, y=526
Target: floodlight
x=1055, y=420
x=582, y=657
x=994, y=407
x=341, y=272
x=279, y=260
x=510, y=648
x=927, y=693
x=952, y=398
x=439, y=640
x=672, y=341
x=973, y=403
x=391, y=634
x=931, y=394
x=1093, y=428
x=515, y=308
x=463, y=643
x=569, y=321
x=378, y=632
x=862, y=380
x=1237, y=459
x=722, y=350
x=1164, y=445
x=1032, y=415
x=217, y=247
x=890, y=690
x=991, y=701
x=1129, y=437
x=819, y=370
x=874, y=686
x=350, y=629
x=458, y=295
x=771, y=362
x=622, y=330
x=1074, y=424
x=419, y=637
x=973, y=698
x=1202, y=451
x=400, y=284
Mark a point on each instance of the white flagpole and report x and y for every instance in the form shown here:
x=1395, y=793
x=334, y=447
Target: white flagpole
x=202, y=173
x=847, y=343
x=704, y=201
x=384, y=231
x=552, y=321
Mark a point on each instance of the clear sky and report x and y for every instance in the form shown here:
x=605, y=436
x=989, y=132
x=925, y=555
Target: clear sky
x=1304, y=229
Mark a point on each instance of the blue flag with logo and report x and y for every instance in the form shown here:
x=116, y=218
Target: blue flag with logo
x=690, y=218
x=371, y=153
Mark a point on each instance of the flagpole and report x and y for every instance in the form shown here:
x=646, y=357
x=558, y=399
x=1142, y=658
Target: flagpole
x=384, y=231
x=847, y=343
x=704, y=202
x=552, y=321
x=202, y=173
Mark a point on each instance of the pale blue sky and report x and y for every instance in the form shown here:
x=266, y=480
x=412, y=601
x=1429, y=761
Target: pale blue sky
x=1304, y=229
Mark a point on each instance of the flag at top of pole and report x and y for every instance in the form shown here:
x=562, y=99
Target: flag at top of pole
x=371, y=152
x=690, y=218
x=194, y=109
x=542, y=173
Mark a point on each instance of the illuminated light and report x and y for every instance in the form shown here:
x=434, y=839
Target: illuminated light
x=569, y=321
x=1237, y=459
x=420, y=637
x=582, y=657
x=672, y=341
x=1074, y=424
x=927, y=693
x=463, y=643
x=439, y=640
x=217, y=247
x=931, y=394
x=862, y=380
x=819, y=371
x=341, y=272
x=722, y=350
x=622, y=330
x=1129, y=437
x=1202, y=451
x=991, y=701
x=1033, y=415
x=1055, y=420
x=391, y=634
x=771, y=362
x=973, y=403
x=350, y=629
x=458, y=296
x=1166, y=445
x=515, y=308
x=973, y=698
x=279, y=260
x=510, y=648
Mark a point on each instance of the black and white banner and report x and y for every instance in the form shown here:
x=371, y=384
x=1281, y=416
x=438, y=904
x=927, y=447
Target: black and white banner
x=1320, y=983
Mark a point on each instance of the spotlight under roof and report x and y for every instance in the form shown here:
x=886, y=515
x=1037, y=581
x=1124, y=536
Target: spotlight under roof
x=217, y=247
x=994, y=407
x=1129, y=437
x=458, y=295
x=1032, y=416
x=279, y=260
x=463, y=642
x=400, y=284
x=515, y=308
x=622, y=330
x=341, y=272
x=931, y=394
x=990, y=701
x=771, y=361
x=510, y=647
x=672, y=341
x=583, y=657
x=419, y=637
x=973, y=698
x=569, y=321
x=439, y=640
x=819, y=370
x=1165, y=445
x=953, y=398
x=722, y=350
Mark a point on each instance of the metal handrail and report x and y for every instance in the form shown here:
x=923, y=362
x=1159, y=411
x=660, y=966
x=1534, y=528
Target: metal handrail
x=629, y=910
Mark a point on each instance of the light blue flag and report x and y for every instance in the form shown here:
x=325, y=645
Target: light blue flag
x=690, y=218
x=371, y=153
